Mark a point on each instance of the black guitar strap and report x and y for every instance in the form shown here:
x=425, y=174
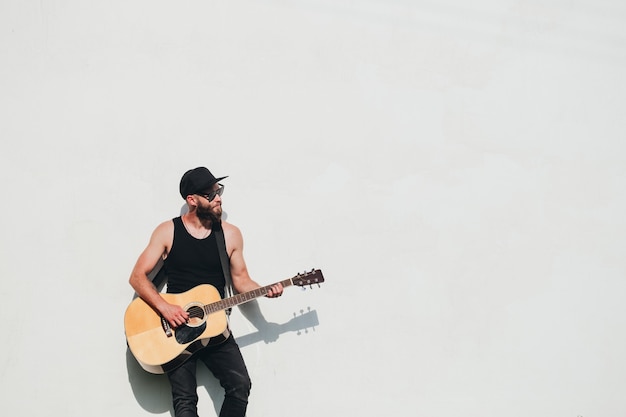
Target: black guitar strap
x=225, y=260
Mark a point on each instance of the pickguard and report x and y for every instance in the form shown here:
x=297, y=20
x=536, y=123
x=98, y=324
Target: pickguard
x=186, y=334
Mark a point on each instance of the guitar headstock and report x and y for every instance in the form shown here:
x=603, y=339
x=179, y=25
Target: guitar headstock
x=308, y=278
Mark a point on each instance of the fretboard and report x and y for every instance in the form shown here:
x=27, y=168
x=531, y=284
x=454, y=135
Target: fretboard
x=242, y=298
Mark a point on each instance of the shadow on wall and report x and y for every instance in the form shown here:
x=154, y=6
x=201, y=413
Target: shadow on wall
x=152, y=391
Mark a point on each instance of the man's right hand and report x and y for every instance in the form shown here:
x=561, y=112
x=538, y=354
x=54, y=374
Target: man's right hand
x=174, y=314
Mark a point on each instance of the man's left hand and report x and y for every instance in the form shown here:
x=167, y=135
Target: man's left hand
x=275, y=291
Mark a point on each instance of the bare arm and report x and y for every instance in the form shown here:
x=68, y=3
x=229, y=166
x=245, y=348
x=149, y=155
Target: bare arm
x=158, y=246
x=238, y=269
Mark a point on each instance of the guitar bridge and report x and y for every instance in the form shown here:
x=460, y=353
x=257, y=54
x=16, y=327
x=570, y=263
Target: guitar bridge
x=166, y=327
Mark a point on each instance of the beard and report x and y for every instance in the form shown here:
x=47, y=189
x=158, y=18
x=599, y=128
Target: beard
x=206, y=213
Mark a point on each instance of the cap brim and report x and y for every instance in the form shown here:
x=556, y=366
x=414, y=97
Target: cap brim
x=211, y=184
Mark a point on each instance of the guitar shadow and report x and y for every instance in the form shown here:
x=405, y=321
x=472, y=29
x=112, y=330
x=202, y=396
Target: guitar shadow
x=269, y=332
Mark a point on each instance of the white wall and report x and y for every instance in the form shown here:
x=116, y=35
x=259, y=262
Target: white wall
x=456, y=169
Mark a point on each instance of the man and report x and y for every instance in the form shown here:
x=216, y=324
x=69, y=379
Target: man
x=189, y=249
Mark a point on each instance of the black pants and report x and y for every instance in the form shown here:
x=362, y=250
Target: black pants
x=226, y=363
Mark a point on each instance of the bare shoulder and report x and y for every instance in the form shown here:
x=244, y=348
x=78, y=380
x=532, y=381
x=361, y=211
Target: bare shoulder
x=230, y=230
x=165, y=227
x=158, y=247
x=163, y=234
x=232, y=235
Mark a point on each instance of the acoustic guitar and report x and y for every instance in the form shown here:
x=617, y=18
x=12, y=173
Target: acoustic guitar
x=159, y=348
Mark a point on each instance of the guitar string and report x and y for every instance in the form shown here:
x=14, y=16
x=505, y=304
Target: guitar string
x=239, y=298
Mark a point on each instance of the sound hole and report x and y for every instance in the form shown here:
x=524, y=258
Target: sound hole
x=195, y=326
x=196, y=316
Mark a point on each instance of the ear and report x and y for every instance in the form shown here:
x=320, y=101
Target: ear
x=191, y=200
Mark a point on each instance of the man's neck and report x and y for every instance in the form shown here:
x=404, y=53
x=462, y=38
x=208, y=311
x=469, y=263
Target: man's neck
x=192, y=220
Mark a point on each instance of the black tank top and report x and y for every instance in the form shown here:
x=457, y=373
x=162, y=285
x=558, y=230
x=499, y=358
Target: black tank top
x=192, y=261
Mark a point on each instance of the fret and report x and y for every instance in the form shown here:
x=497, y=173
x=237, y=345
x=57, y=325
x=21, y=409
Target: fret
x=300, y=280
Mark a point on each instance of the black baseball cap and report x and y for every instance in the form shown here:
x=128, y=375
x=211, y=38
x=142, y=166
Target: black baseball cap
x=197, y=180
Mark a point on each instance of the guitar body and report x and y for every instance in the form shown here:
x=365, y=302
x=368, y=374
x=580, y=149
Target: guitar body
x=147, y=333
x=159, y=348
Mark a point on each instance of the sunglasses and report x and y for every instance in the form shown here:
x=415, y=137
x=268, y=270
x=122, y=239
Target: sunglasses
x=211, y=196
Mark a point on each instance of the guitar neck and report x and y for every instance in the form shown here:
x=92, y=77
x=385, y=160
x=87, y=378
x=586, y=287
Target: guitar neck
x=243, y=297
